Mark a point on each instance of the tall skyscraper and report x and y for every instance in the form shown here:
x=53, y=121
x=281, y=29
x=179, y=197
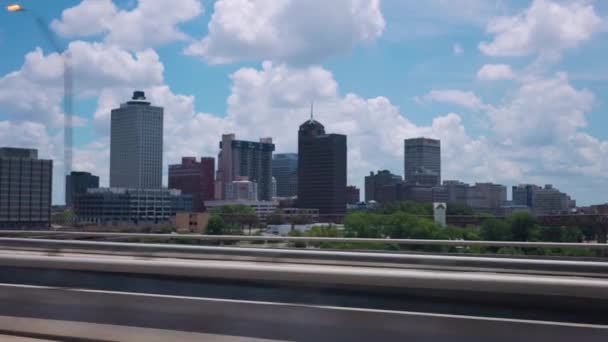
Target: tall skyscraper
x=194, y=178
x=321, y=169
x=25, y=189
x=285, y=170
x=77, y=183
x=422, y=161
x=136, y=144
x=238, y=158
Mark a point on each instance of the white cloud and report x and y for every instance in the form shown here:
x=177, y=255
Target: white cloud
x=546, y=28
x=34, y=92
x=494, y=72
x=542, y=112
x=466, y=99
x=457, y=50
x=287, y=30
x=150, y=23
x=88, y=18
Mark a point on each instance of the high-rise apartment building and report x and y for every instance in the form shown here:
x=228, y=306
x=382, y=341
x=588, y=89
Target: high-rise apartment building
x=422, y=161
x=238, y=158
x=194, y=178
x=321, y=170
x=77, y=183
x=136, y=144
x=25, y=189
x=374, y=183
x=285, y=170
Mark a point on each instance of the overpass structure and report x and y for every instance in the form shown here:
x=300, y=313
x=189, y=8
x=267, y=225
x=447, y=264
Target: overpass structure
x=90, y=290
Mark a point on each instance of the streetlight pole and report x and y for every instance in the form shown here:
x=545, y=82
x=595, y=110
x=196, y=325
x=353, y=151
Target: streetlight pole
x=67, y=84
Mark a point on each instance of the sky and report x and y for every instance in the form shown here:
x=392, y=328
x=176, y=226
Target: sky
x=517, y=91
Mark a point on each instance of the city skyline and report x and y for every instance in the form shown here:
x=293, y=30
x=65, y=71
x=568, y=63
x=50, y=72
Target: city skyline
x=457, y=83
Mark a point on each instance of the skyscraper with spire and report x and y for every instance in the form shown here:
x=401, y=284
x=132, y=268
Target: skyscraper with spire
x=321, y=169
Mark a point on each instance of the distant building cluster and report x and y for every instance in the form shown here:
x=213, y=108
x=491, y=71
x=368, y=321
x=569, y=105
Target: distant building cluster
x=313, y=180
x=422, y=183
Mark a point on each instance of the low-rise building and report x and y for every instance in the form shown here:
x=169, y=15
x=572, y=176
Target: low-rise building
x=191, y=222
x=112, y=206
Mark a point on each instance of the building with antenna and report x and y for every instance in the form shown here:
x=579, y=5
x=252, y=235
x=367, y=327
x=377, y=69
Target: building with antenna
x=321, y=170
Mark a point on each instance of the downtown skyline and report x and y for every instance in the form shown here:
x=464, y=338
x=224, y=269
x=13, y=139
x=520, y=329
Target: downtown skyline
x=462, y=88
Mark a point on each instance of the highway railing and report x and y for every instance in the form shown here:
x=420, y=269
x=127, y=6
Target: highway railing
x=385, y=259
x=320, y=275
x=251, y=238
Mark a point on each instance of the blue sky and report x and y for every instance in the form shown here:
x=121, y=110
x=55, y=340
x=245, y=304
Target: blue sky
x=516, y=90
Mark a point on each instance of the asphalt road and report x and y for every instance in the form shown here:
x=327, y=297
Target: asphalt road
x=268, y=320
x=108, y=298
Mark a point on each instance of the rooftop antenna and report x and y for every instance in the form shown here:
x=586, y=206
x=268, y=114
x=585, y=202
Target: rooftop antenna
x=311, y=110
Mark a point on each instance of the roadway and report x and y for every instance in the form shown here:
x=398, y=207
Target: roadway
x=292, y=295
x=221, y=318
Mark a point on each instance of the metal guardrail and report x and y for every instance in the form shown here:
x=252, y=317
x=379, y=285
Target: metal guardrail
x=309, y=256
x=418, y=242
x=321, y=275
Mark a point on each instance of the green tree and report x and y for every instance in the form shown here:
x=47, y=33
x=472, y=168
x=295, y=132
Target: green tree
x=276, y=217
x=550, y=234
x=236, y=216
x=496, y=230
x=298, y=218
x=457, y=208
x=216, y=225
x=522, y=226
x=410, y=207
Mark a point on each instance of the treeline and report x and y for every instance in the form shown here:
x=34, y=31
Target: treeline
x=408, y=220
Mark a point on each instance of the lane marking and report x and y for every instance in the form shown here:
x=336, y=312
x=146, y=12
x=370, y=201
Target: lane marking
x=310, y=306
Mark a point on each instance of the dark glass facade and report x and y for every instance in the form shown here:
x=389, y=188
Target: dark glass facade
x=78, y=183
x=422, y=161
x=285, y=171
x=321, y=170
x=25, y=189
